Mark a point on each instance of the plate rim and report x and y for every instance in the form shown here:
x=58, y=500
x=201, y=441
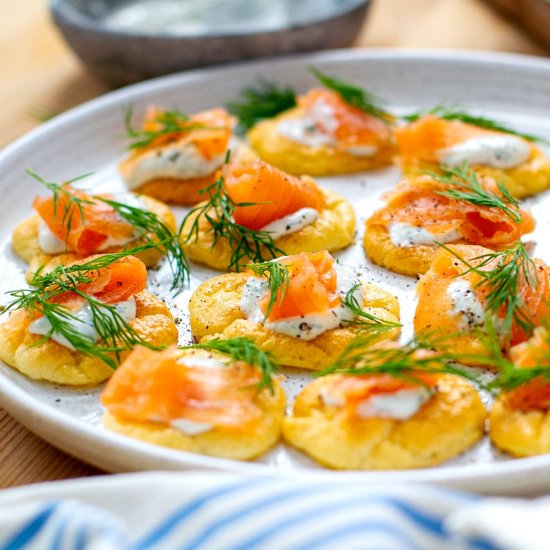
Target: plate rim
x=39, y=417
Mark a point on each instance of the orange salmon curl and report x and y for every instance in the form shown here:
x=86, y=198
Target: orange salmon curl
x=447, y=268
x=277, y=193
x=160, y=387
x=84, y=229
x=352, y=125
x=114, y=283
x=418, y=202
x=533, y=353
x=420, y=140
x=312, y=287
x=356, y=389
x=209, y=130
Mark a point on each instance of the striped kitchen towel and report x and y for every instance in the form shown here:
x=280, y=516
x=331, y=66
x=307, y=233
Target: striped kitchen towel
x=202, y=510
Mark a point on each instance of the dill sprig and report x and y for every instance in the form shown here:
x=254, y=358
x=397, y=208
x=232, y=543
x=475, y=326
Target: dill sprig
x=265, y=100
x=354, y=95
x=246, y=244
x=169, y=122
x=278, y=279
x=165, y=240
x=113, y=331
x=361, y=357
x=514, y=268
x=151, y=228
x=464, y=185
x=455, y=112
x=244, y=349
x=364, y=319
x=512, y=377
x=509, y=376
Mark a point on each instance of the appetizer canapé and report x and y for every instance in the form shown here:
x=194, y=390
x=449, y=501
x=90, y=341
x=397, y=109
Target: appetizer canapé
x=175, y=157
x=304, y=309
x=520, y=417
x=73, y=224
x=256, y=212
x=378, y=421
x=194, y=401
x=470, y=287
x=457, y=207
x=82, y=319
x=324, y=135
x=507, y=157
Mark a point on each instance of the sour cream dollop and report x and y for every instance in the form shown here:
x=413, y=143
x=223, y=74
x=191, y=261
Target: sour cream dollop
x=291, y=223
x=466, y=304
x=316, y=127
x=400, y=405
x=405, y=235
x=179, y=161
x=496, y=151
x=83, y=322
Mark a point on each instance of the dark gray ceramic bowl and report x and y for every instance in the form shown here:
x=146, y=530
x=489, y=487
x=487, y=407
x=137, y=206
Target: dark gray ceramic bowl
x=120, y=55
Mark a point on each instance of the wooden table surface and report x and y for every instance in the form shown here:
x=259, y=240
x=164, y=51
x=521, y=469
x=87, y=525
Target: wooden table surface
x=41, y=77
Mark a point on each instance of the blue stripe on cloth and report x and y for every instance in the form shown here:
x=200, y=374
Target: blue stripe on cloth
x=60, y=522
x=252, y=508
x=79, y=523
x=190, y=508
x=479, y=543
x=422, y=521
x=362, y=529
x=30, y=529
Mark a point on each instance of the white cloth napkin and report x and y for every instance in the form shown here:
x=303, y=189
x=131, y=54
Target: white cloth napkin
x=204, y=510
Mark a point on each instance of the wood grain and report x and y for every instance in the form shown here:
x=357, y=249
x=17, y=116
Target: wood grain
x=41, y=77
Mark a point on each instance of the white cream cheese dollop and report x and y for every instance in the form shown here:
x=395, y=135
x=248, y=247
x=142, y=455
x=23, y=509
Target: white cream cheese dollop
x=405, y=235
x=496, y=151
x=303, y=130
x=52, y=244
x=179, y=161
x=291, y=223
x=83, y=322
x=305, y=327
x=400, y=405
x=466, y=304
x=317, y=127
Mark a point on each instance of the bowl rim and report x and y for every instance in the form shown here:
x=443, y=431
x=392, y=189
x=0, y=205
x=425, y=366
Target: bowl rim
x=65, y=11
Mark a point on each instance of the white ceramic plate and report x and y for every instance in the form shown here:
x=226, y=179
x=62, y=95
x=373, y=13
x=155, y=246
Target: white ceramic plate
x=91, y=139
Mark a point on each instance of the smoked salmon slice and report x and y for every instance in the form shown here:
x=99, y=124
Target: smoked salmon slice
x=312, y=287
x=276, y=193
x=209, y=130
x=164, y=386
x=84, y=229
x=114, y=283
x=353, y=390
x=420, y=140
x=436, y=312
x=418, y=202
x=348, y=125
x=533, y=353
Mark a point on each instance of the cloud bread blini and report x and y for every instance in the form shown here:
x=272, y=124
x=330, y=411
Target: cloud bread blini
x=376, y=422
x=323, y=136
x=194, y=401
x=32, y=345
x=309, y=327
x=432, y=141
x=274, y=214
